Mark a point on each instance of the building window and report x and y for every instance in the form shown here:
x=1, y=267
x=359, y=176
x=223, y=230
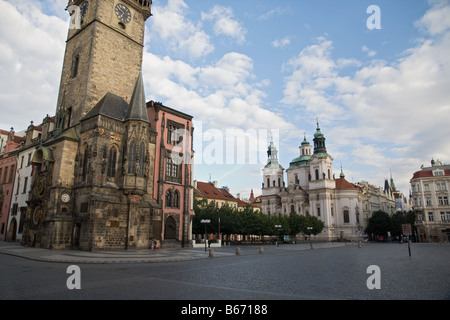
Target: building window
x=430, y=216
x=429, y=202
x=132, y=158
x=141, y=158
x=318, y=211
x=176, y=200
x=112, y=160
x=317, y=174
x=441, y=186
x=25, y=183
x=168, y=198
x=443, y=201
x=75, y=63
x=346, y=216
x=172, y=171
x=174, y=133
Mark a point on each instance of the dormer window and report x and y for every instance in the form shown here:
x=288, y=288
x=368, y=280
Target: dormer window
x=437, y=173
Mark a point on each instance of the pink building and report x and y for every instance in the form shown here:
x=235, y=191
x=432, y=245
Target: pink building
x=173, y=172
x=8, y=167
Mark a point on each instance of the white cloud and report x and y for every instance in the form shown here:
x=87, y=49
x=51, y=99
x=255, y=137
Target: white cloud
x=32, y=46
x=397, y=112
x=281, y=43
x=370, y=53
x=224, y=23
x=170, y=25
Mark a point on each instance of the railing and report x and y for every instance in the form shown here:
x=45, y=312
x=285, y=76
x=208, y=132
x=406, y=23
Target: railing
x=145, y=3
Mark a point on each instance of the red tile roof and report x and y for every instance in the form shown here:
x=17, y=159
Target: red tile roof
x=341, y=183
x=207, y=190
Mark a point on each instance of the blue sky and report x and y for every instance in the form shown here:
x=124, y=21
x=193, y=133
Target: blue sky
x=267, y=69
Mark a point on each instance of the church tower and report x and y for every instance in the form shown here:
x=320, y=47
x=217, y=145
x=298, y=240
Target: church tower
x=103, y=53
x=273, y=182
x=92, y=183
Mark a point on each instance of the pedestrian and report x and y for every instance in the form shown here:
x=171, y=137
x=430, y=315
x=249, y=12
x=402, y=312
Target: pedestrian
x=153, y=244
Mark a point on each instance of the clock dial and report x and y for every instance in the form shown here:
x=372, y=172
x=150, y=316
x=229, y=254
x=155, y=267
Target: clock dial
x=83, y=9
x=123, y=13
x=37, y=215
x=65, y=198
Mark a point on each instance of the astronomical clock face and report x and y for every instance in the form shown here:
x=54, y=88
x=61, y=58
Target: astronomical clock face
x=41, y=186
x=37, y=215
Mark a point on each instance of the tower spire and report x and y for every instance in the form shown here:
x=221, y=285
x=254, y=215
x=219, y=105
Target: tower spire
x=138, y=108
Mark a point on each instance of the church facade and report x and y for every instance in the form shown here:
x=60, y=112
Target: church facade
x=94, y=182
x=312, y=189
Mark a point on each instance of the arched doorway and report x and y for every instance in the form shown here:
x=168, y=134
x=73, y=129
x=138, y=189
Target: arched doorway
x=170, y=228
x=12, y=230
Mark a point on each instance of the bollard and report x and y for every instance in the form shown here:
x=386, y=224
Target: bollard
x=238, y=251
x=261, y=250
x=211, y=253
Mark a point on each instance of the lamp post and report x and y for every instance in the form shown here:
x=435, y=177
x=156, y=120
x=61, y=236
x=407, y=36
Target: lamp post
x=310, y=233
x=279, y=228
x=205, y=222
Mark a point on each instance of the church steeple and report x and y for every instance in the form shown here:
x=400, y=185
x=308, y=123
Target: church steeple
x=319, y=141
x=138, y=107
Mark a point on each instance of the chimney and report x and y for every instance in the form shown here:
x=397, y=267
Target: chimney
x=195, y=184
x=215, y=183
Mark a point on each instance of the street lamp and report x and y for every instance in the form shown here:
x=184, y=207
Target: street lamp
x=310, y=232
x=279, y=228
x=205, y=222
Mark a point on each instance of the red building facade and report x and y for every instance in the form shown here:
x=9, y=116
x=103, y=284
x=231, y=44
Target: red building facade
x=173, y=178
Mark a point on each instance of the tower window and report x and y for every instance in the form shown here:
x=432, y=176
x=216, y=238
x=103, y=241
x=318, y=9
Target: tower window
x=132, y=158
x=75, y=63
x=141, y=158
x=112, y=160
x=121, y=26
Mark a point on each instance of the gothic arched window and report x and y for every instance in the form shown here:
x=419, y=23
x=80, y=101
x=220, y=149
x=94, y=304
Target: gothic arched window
x=168, y=198
x=176, y=200
x=132, y=158
x=112, y=160
x=141, y=158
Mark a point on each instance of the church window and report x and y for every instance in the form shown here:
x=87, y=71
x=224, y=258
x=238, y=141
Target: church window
x=279, y=182
x=329, y=174
x=317, y=174
x=75, y=63
x=268, y=182
x=346, y=216
x=132, y=158
x=297, y=181
x=112, y=160
x=141, y=158
x=274, y=185
x=318, y=211
x=292, y=209
x=84, y=167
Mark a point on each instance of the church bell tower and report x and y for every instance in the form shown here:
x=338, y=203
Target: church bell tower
x=104, y=51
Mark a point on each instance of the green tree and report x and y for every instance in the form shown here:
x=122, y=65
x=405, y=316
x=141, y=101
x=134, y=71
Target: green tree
x=379, y=224
x=312, y=225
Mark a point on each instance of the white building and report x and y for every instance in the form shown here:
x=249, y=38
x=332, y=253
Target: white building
x=430, y=199
x=312, y=189
x=23, y=178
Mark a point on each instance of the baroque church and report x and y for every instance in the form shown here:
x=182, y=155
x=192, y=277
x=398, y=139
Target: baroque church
x=93, y=180
x=313, y=189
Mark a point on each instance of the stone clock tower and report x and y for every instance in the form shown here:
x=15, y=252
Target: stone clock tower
x=103, y=55
x=93, y=175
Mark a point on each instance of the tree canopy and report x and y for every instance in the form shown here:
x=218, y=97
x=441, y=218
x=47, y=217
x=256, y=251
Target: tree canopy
x=250, y=222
